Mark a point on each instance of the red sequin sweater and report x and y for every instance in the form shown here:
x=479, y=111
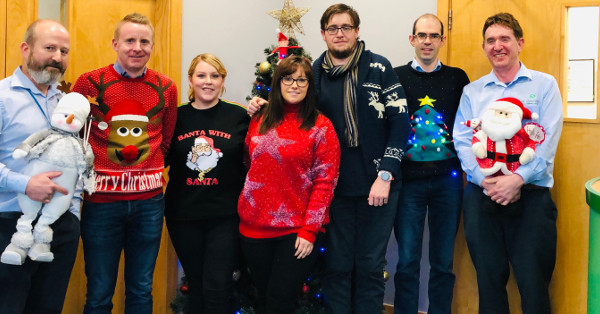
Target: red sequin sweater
x=292, y=175
x=131, y=132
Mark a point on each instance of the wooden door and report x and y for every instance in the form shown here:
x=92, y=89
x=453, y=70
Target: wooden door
x=541, y=21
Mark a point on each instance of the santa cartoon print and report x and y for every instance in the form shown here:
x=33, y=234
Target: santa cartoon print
x=204, y=156
x=499, y=142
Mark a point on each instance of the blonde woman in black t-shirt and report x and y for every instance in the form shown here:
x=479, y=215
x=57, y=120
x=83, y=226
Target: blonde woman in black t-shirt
x=206, y=176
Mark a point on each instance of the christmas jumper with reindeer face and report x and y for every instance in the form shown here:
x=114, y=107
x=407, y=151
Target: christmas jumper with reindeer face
x=133, y=121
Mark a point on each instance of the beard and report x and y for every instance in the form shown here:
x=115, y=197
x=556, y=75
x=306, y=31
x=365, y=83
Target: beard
x=498, y=128
x=44, y=73
x=341, y=54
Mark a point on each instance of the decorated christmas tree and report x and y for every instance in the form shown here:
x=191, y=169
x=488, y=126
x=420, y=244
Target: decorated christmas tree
x=289, y=20
x=430, y=140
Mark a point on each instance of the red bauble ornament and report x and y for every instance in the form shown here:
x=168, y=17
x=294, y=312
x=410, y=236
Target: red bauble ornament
x=305, y=289
x=184, y=289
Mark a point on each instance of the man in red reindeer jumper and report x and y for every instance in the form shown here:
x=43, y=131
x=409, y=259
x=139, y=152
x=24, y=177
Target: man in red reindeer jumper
x=499, y=142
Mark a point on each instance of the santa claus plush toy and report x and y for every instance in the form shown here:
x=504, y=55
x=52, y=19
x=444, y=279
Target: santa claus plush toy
x=500, y=142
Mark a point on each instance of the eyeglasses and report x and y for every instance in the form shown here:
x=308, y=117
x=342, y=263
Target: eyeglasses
x=333, y=30
x=433, y=37
x=288, y=80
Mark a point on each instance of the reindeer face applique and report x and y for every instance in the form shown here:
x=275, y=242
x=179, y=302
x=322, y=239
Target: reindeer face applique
x=127, y=124
x=128, y=133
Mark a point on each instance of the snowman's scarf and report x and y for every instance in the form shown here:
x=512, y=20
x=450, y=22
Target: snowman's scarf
x=66, y=155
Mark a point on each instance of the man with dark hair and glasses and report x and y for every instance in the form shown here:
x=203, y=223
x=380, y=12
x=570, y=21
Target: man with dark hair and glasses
x=360, y=93
x=431, y=173
x=495, y=235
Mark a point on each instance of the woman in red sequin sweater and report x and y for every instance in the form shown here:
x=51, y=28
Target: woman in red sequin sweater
x=294, y=160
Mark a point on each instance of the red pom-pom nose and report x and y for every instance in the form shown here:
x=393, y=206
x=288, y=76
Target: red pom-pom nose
x=130, y=153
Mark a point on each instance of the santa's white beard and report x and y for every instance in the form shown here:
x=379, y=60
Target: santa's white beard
x=207, y=161
x=498, y=128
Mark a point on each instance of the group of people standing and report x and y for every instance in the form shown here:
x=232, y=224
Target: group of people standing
x=323, y=160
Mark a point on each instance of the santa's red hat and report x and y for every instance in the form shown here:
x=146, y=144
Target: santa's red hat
x=514, y=104
x=204, y=140
x=125, y=110
x=281, y=36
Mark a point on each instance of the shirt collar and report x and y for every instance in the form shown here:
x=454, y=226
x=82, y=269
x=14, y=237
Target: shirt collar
x=417, y=67
x=119, y=69
x=22, y=81
x=523, y=72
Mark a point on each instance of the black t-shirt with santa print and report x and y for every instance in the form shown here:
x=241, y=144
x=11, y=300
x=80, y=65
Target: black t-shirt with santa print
x=206, y=157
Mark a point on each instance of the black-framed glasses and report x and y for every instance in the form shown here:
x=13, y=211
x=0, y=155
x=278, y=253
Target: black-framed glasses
x=433, y=37
x=288, y=80
x=332, y=30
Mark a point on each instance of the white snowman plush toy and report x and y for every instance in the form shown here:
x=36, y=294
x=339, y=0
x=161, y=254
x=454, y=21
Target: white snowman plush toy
x=57, y=149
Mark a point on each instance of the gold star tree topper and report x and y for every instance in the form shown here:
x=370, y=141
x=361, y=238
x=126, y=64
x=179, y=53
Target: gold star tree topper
x=289, y=18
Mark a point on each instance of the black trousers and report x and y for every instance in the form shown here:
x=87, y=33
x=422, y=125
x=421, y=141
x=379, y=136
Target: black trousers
x=277, y=274
x=526, y=238
x=35, y=287
x=208, y=251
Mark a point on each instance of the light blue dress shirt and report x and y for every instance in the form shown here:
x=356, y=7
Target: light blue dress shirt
x=417, y=67
x=20, y=117
x=539, y=93
x=119, y=69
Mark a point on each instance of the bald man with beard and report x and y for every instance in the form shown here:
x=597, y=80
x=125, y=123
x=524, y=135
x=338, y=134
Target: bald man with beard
x=27, y=99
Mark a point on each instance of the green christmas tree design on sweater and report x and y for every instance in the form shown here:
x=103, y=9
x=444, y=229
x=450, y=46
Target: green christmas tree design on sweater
x=430, y=138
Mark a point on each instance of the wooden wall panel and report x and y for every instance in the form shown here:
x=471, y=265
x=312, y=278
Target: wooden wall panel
x=19, y=14
x=2, y=36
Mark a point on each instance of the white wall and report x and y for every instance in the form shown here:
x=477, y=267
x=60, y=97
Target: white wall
x=237, y=31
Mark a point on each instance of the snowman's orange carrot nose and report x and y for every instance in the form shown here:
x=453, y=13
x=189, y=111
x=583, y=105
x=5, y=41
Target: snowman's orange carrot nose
x=70, y=118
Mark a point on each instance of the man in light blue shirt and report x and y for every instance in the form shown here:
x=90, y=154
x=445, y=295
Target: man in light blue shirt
x=27, y=99
x=494, y=235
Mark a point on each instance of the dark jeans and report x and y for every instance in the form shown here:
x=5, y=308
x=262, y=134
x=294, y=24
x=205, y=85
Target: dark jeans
x=134, y=227
x=527, y=241
x=439, y=197
x=208, y=251
x=357, y=238
x=35, y=287
x=277, y=274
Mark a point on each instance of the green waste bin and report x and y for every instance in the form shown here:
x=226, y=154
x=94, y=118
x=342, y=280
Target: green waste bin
x=592, y=196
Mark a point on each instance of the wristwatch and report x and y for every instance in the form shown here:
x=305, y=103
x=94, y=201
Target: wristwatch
x=385, y=175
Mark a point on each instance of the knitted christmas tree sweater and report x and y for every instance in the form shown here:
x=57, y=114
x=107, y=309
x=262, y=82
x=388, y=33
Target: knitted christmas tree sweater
x=131, y=131
x=292, y=175
x=432, y=100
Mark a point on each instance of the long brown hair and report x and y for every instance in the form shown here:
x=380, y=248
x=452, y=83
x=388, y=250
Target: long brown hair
x=273, y=112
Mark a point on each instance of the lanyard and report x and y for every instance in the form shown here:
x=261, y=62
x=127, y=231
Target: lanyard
x=40, y=107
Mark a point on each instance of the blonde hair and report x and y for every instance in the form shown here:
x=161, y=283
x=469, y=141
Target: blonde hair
x=135, y=18
x=211, y=60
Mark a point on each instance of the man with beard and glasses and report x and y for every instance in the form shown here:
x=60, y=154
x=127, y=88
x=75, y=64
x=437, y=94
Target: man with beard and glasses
x=360, y=93
x=27, y=99
x=496, y=234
